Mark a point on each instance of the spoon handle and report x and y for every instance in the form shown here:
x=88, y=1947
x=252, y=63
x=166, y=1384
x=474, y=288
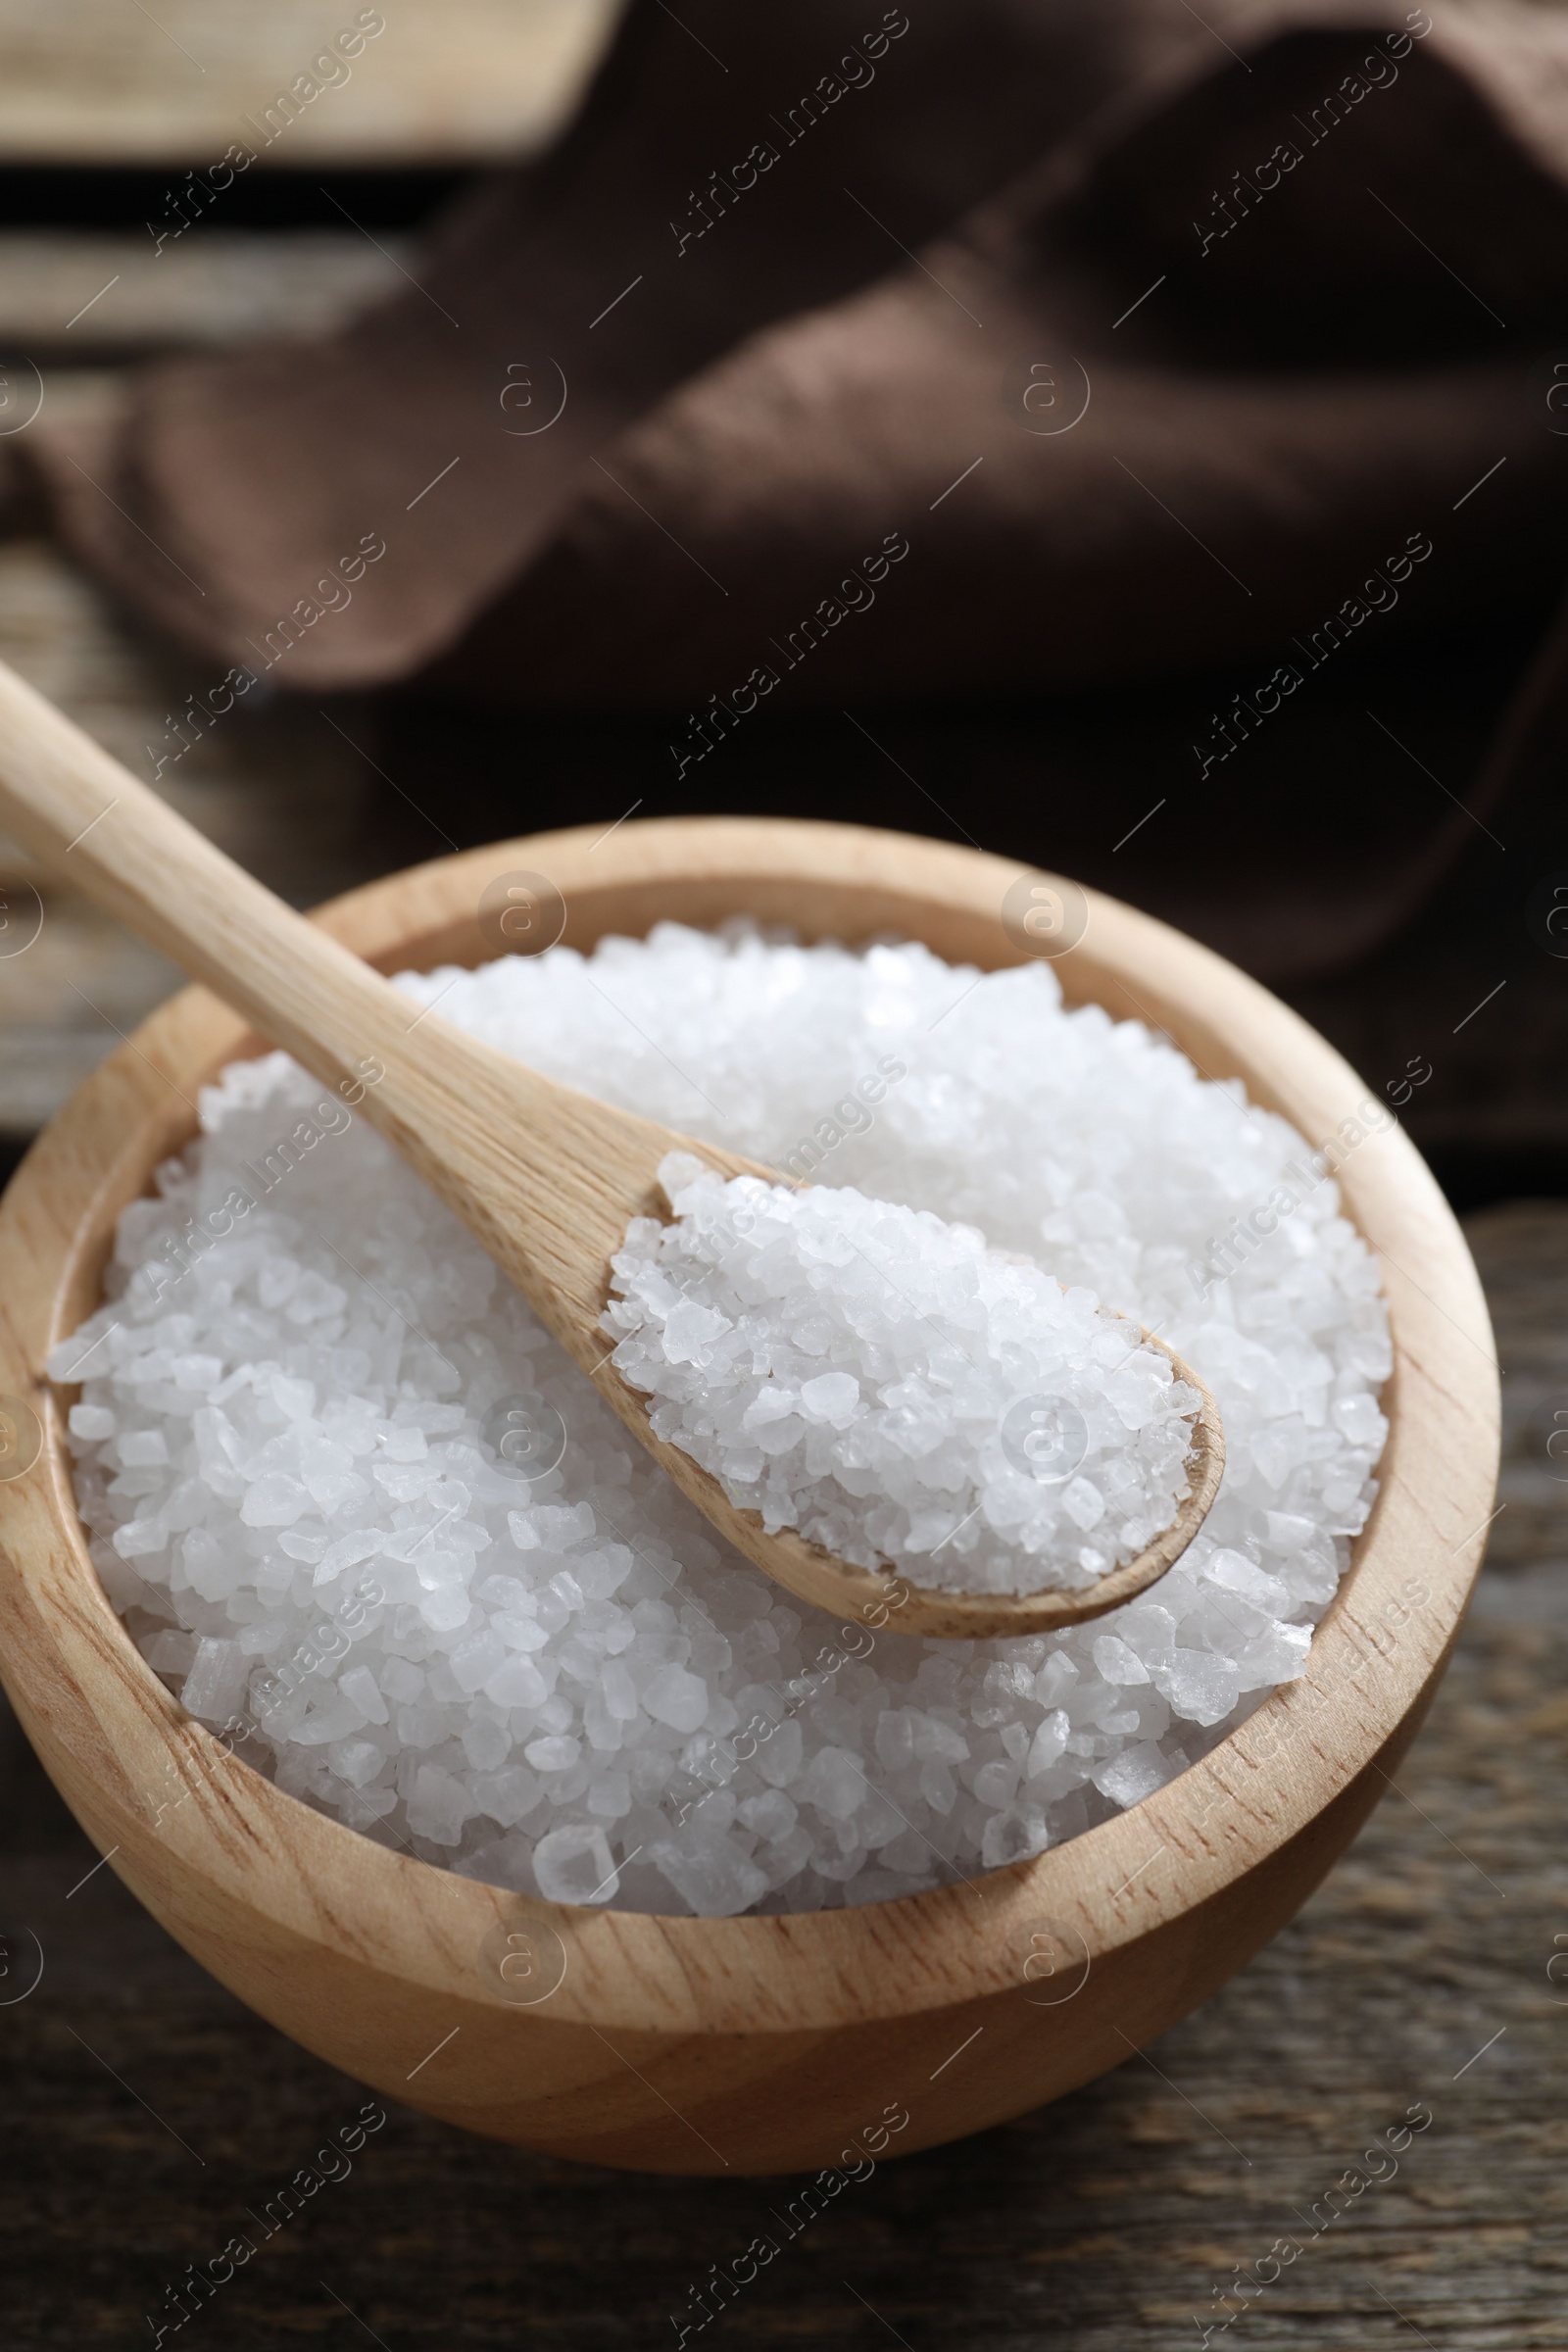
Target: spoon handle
x=540, y=1172
x=88, y=819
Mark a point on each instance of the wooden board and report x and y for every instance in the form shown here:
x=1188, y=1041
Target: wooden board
x=108, y=81
x=280, y=788
x=283, y=788
x=70, y=297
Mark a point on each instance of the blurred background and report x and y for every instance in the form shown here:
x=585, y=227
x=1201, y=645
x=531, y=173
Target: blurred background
x=1316, y=854
x=1389, y=862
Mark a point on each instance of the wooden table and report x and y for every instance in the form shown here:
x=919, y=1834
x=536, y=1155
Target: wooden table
x=144, y=2110
x=443, y=81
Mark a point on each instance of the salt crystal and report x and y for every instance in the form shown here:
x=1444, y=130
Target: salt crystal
x=138, y=1538
x=554, y=1753
x=439, y=1805
x=400, y=1679
x=1134, y=1774
x=1013, y=1836
x=834, y=1782
x=1048, y=1743
x=277, y=1501
x=1361, y=1422
x=143, y=1448
x=676, y=1697
x=716, y=1880
x=1198, y=1685
x=485, y=1743
x=1116, y=1662
x=510, y=1796
x=833, y=1396
x=996, y=1783
x=360, y=1685
x=576, y=1865
x=216, y=1680
x=357, y=1761
x=771, y=1815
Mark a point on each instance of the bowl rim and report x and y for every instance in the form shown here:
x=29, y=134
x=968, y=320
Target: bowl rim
x=104, y=1722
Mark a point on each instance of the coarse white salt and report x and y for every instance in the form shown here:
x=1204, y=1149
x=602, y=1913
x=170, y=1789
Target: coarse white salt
x=880, y=1380
x=329, y=1461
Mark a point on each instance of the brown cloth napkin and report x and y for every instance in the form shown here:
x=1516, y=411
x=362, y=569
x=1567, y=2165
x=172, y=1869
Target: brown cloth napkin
x=959, y=346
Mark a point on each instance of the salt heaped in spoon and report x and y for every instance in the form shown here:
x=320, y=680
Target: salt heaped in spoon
x=885, y=1383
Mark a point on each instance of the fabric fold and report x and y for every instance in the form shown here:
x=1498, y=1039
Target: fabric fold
x=990, y=347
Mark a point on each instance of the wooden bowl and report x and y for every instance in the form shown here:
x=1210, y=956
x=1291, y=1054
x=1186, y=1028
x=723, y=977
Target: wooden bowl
x=747, y=2046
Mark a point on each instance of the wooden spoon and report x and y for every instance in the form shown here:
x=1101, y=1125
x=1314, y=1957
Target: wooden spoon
x=546, y=1178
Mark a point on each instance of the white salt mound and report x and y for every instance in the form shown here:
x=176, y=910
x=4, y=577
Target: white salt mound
x=880, y=1380
x=356, y=1504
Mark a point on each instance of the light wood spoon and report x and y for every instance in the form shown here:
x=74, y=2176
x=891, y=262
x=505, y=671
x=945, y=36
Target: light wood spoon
x=546, y=1178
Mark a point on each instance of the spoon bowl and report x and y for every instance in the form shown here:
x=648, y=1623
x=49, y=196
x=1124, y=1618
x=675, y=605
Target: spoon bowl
x=889, y=1598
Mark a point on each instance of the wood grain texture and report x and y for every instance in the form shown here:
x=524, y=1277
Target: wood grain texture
x=285, y=789
x=447, y=80
x=751, y=2044
x=80, y=297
